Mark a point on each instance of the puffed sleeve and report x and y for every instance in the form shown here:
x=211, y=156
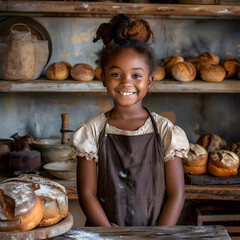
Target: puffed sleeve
x=83, y=143
x=175, y=143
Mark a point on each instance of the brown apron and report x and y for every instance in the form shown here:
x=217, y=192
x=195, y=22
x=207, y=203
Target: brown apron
x=131, y=183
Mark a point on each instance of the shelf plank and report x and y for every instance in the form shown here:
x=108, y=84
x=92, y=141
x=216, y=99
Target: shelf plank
x=109, y=8
x=165, y=86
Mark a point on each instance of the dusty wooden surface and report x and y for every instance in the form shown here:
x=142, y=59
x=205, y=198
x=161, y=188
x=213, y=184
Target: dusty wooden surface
x=165, y=86
x=115, y=8
x=131, y=233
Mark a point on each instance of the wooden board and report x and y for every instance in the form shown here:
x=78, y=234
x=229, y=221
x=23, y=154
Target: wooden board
x=41, y=233
x=208, y=179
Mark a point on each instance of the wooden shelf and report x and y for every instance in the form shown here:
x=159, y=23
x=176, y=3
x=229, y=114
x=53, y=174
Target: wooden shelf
x=165, y=86
x=46, y=8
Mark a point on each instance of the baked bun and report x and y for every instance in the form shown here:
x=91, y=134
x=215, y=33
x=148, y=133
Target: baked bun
x=223, y=163
x=82, y=72
x=52, y=195
x=20, y=208
x=98, y=73
x=57, y=71
x=159, y=72
x=231, y=65
x=212, y=142
x=196, y=163
x=235, y=147
x=212, y=73
x=170, y=62
x=184, y=71
x=208, y=58
x=67, y=64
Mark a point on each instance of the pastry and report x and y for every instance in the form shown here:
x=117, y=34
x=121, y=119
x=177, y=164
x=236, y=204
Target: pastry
x=170, y=62
x=212, y=73
x=57, y=71
x=82, y=72
x=184, y=71
x=208, y=58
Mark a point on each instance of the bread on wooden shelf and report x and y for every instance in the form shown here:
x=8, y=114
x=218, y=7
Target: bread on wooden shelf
x=170, y=62
x=208, y=58
x=212, y=73
x=231, y=65
x=184, y=71
x=57, y=71
x=223, y=163
x=196, y=162
x=159, y=72
x=98, y=73
x=82, y=72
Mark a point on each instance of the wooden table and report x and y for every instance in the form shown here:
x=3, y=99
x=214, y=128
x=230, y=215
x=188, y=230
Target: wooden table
x=131, y=233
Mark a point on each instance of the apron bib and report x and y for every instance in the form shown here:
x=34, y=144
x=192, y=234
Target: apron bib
x=131, y=183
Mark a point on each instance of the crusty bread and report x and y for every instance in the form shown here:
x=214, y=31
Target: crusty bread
x=82, y=72
x=231, y=65
x=196, y=162
x=170, y=62
x=67, y=64
x=212, y=142
x=52, y=195
x=57, y=71
x=159, y=72
x=208, y=58
x=184, y=71
x=212, y=73
x=98, y=73
x=223, y=163
x=235, y=147
x=20, y=208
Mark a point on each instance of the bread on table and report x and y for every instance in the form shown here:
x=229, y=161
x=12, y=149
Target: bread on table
x=212, y=73
x=231, y=65
x=52, y=196
x=223, y=163
x=212, y=142
x=82, y=72
x=208, y=58
x=170, y=62
x=57, y=71
x=20, y=208
x=159, y=72
x=184, y=71
x=196, y=162
x=98, y=73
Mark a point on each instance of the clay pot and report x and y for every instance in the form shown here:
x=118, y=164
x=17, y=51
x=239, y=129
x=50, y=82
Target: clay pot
x=6, y=146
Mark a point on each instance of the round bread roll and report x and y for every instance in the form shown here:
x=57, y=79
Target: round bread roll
x=159, y=73
x=82, y=72
x=212, y=73
x=170, y=62
x=98, y=73
x=20, y=208
x=57, y=71
x=196, y=163
x=212, y=142
x=235, y=147
x=208, y=58
x=231, y=65
x=184, y=71
x=52, y=195
x=223, y=163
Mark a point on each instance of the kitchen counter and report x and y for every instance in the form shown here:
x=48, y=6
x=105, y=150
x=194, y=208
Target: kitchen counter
x=131, y=233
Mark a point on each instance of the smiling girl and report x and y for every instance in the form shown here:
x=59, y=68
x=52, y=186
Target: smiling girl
x=129, y=169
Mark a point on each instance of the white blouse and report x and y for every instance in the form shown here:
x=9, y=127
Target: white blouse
x=84, y=141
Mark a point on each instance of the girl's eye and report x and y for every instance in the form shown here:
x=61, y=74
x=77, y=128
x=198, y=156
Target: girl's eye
x=116, y=75
x=137, y=76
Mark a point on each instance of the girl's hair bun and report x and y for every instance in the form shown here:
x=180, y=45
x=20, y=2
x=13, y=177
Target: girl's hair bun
x=122, y=28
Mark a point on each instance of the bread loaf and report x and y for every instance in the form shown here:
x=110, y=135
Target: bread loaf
x=235, y=147
x=20, y=208
x=230, y=65
x=223, y=163
x=98, y=73
x=212, y=73
x=212, y=142
x=52, y=196
x=184, y=71
x=170, y=62
x=82, y=72
x=159, y=72
x=196, y=162
x=208, y=58
x=57, y=71
x=67, y=64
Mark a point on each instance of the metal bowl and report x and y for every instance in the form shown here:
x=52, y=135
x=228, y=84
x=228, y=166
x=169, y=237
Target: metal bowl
x=52, y=150
x=63, y=170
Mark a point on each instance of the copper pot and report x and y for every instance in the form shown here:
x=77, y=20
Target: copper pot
x=6, y=146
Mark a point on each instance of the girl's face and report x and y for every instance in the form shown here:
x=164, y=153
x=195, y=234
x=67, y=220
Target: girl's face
x=127, y=77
